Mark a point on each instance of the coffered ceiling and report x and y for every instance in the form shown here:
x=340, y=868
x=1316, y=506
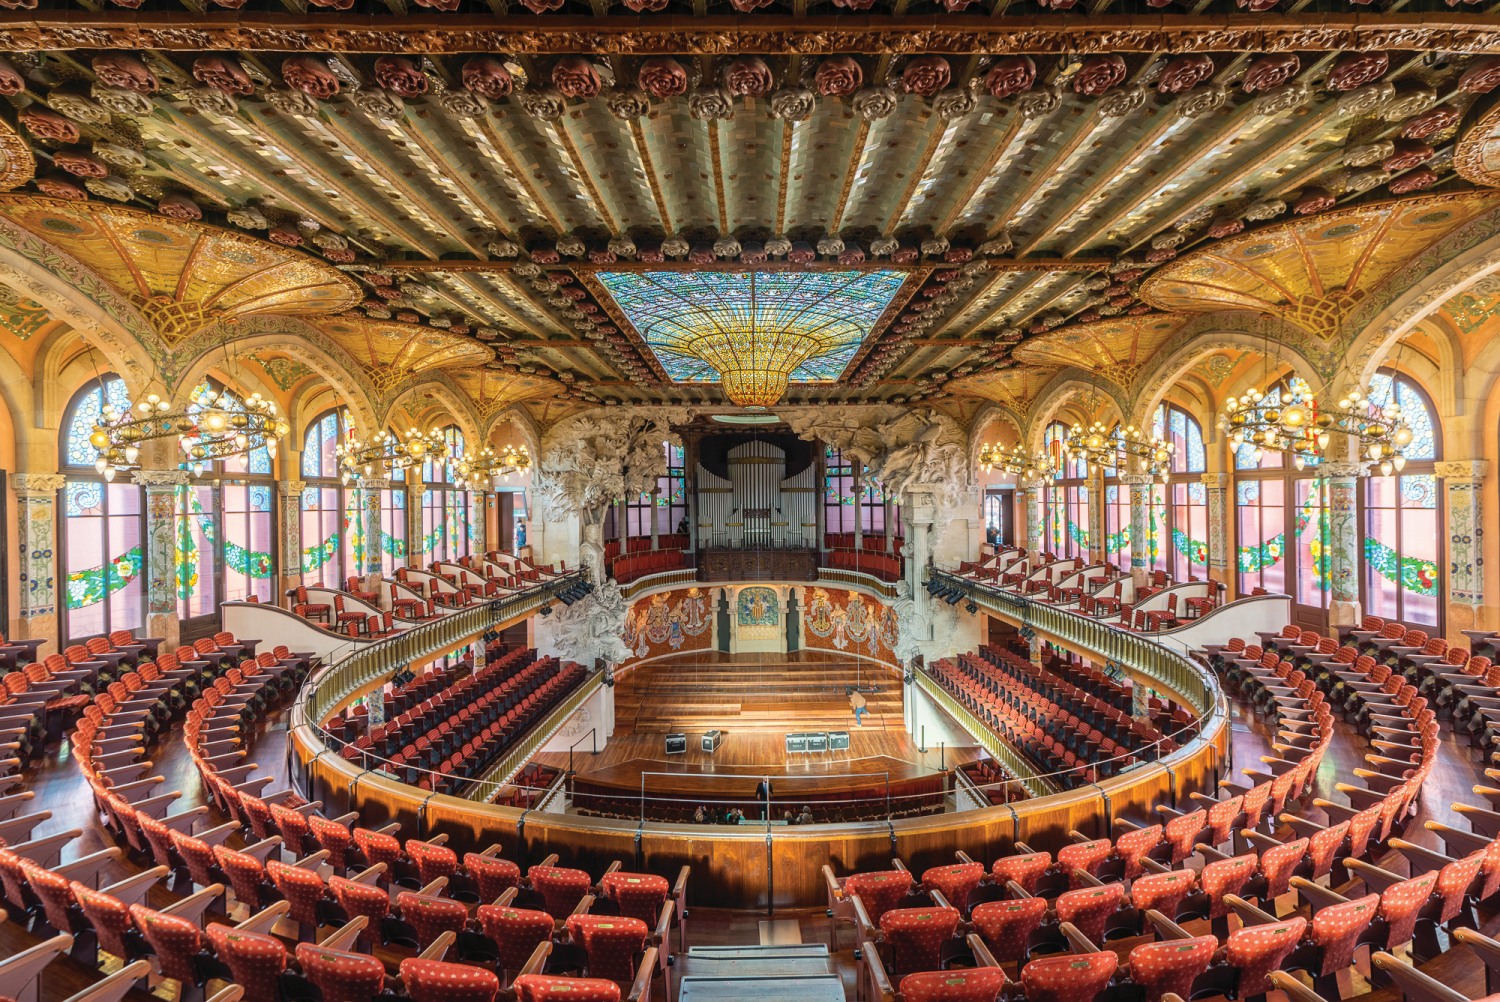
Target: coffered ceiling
x=440, y=191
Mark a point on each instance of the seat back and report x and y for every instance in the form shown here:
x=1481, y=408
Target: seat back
x=339, y=975
x=255, y=961
x=1076, y=977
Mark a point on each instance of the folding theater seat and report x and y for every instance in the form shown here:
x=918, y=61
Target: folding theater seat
x=1007, y=926
x=560, y=888
x=435, y=981
x=1068, y=978
x=515, y=932
x=1171, y=966
x=613, y=944
x=983, y=984
x=341, y=976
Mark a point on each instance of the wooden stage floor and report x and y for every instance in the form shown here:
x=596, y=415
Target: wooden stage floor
x=755, y=700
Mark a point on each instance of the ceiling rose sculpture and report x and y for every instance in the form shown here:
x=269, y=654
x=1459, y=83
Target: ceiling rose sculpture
x=753, y=331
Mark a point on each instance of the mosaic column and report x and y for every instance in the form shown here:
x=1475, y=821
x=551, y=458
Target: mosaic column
x=414, y=555
x=1465, y=532
x=1140, y=525
x=291, y=533
x=478, y=520
x=370, y=490
x=1343, y=541
x=36, y=494
x=1029, y=494
x=1217, y=485
x=1096, y=522
x=161, y=551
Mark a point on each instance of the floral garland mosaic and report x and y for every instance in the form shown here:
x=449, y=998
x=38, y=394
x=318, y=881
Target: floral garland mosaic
x=93, y=585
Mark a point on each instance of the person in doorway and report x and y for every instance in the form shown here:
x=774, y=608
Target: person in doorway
x=763, y=794
x=859, y=705
x=992, y=535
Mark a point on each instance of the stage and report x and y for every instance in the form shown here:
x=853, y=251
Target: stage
x=755, y=700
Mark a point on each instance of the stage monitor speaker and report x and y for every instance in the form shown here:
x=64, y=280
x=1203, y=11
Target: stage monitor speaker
x=676, y=744
x=838, y=740
x=711, y=740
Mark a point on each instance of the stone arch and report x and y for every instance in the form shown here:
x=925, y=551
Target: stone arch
x=991, y=414
x=1063, y=389
x=16, y=392
x=525, y=425
x=448, y=397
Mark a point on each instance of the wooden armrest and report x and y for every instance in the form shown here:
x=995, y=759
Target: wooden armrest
x=344, y=936
x=1316, y=895
x=439, y=947
x=537, y=962
x=1249, y=914
x=435, y=890
x=265, y=920
x=1413, y=982
x=880, y=981
x=47, y=850
x=86, y=869
x=133, y=890
x=1458, y=839
x=117, y=985
x=262, y=850
x=1165, y=927
x=982, y=955
x=1295, y=990
x=1077, y=941
x=19, y=829
x=640, y=989
x=194, y=905
x=371, y=875
x=217, y=835
x=1375, y=878
x=1419, y=855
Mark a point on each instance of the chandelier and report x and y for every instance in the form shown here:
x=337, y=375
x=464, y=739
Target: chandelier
x=1025, y=466
x=210, y=427
x=489, y=463
x=1290, y=421
x=386, y=453
x=1093, y=445
x=755, y=365
x=1379, y=431
x=1152, y=453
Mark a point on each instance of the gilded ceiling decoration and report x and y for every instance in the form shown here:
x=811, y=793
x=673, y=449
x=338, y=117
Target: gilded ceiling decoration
x=467, y=179
x=183, y=275
x=1312, y=272
x=1477, y=155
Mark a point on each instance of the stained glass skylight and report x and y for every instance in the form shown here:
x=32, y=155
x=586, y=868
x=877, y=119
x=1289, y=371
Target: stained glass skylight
x=680, y=314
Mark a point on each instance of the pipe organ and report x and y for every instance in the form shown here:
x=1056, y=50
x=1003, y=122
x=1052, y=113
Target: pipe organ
x=757, y=506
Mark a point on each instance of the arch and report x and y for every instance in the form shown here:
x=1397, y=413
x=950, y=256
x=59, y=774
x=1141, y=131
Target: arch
x=1061, y=390
x=992, y=413
x=524, y=423
x=448, y=396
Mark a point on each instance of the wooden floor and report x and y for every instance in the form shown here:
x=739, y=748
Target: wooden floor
x=61, y=789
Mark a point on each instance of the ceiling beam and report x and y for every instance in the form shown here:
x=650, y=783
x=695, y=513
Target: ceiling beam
x=1041, y=264
x=957, y=34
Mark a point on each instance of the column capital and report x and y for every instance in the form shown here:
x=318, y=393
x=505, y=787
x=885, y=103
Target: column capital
x=1032, y=484
x=367, y=484
x=1343, y=469
x=1462, y=469
x=161, y=479
x=37, y=484
x=1219, y=481
x=293, y=488
x=1137, y=479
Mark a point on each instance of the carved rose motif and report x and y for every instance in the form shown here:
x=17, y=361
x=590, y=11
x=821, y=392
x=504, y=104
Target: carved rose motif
x=752, y=253
x=710, y=104
x=1482, y=76
x=662, y=77
x=1118, y=104
x=956, y=103
x=1364, y=154
x=1201, y=102
x=1225, y=226
x=793, y=104
x=1039, y=102
x=212, y=101
x=747, y=6
x=61, y=187
x=547, y=104
x=79, y=163
x=675, y=247
x=334, y=4
x=874, y=103
x=1414, y=181
x=1184, y=73
x=854, y=4
x=248, y=217
x=570, y=245
x=1366, y=180
x=1431, y=122
x=802, y=253
x=1406, y=154
x=11, y=81
x=997, y=246
x=1313, y=200
x=701, y=254
x=1266, y=208
x=1098, y=74
x=646, y=6
x=179, y=207
x=926, y=75
x=1257, y=6
x=287, y=236
x=461, y=103
x=935, y=247
x=311, y=76
x=628, y=104
x=838, y=76
x=726, y=247
x=443, y=5
x=223, y=73
x=115, y=69
x=575, y=77
x=401, y=76
x=110, y=187
x=778, y=247
x=830, y=246
x=1269, y=72
x=748, y=76
x=290, y=101
x=121, y=101
x=377, y=103
x=487, y=77
x=541, y=6
x=1355, y=69
x=79, y=107
x=46, y=124
x=1409, y=100
x=1367, y=99
x=1279, y=99
x=1010, y=75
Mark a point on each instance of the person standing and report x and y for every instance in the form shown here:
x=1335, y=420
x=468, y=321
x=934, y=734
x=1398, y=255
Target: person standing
x=859, y=705
x=763, y=794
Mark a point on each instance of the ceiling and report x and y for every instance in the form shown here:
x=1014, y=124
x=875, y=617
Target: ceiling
x=451, y=192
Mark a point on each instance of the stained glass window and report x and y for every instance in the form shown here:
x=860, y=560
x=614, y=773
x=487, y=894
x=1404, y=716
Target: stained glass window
x=102, y=528
x=1402, y=559
x=392, y=530
x=1260, y=508
x=1185, y=434
x=324, y=540
x=1117, y=525
x=319, y=460
x=1414, y=411
x=683, y=316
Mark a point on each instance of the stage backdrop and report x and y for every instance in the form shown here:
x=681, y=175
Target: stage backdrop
x=671, y=622
x=848, y=622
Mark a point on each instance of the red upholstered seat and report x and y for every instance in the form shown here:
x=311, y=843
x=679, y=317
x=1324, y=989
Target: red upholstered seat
x=361, y=899
x=1089, y=907
x=1134, y=846
x=915, y=937
x=435, y=981
x=639, y=895
x=544, y=988
x=1171, y=965
x=878, y=890
x=1005, y=926
x=175, y=942
x=432, y=861
x=560, y=887
x=980, y=985
x=1163, y=891
x=378, y=847
x=431, y=916
x=255, y=961
x=245, y=874
x=341, y=976
x=1077, y=977
x=302, y=889
x=109, y=916
x=1336, y=930
x=336, y=838
x=612, y=943
x=1085, y=856
x=1258, y=950
x=1223, y=877
x=956, y=882
x=1400, y=905
x=516, y=932
x=1025, y=870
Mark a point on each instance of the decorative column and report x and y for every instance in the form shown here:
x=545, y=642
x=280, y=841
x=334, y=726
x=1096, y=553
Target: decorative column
x=859, y=505
x=1095, y=498
x=1219, y=567
x=1343, y=540
x=1140, y=525
x=161, y=551
x=1465, y=534
x=478, y=520
x=655, y=532
x=36, y=494
x=888, y=519
x=291, y=532
x=370, y=489
x=1029, y=493
x=414, y=487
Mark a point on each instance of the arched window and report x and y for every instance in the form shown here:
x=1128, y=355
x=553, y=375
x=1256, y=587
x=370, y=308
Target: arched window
x=103, y=525
x=446, y=530
x=332, y=523
x=1402, y=556
x=1185, y=520
x=225, y=527
x=1065, y=504
x=1116, y=508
